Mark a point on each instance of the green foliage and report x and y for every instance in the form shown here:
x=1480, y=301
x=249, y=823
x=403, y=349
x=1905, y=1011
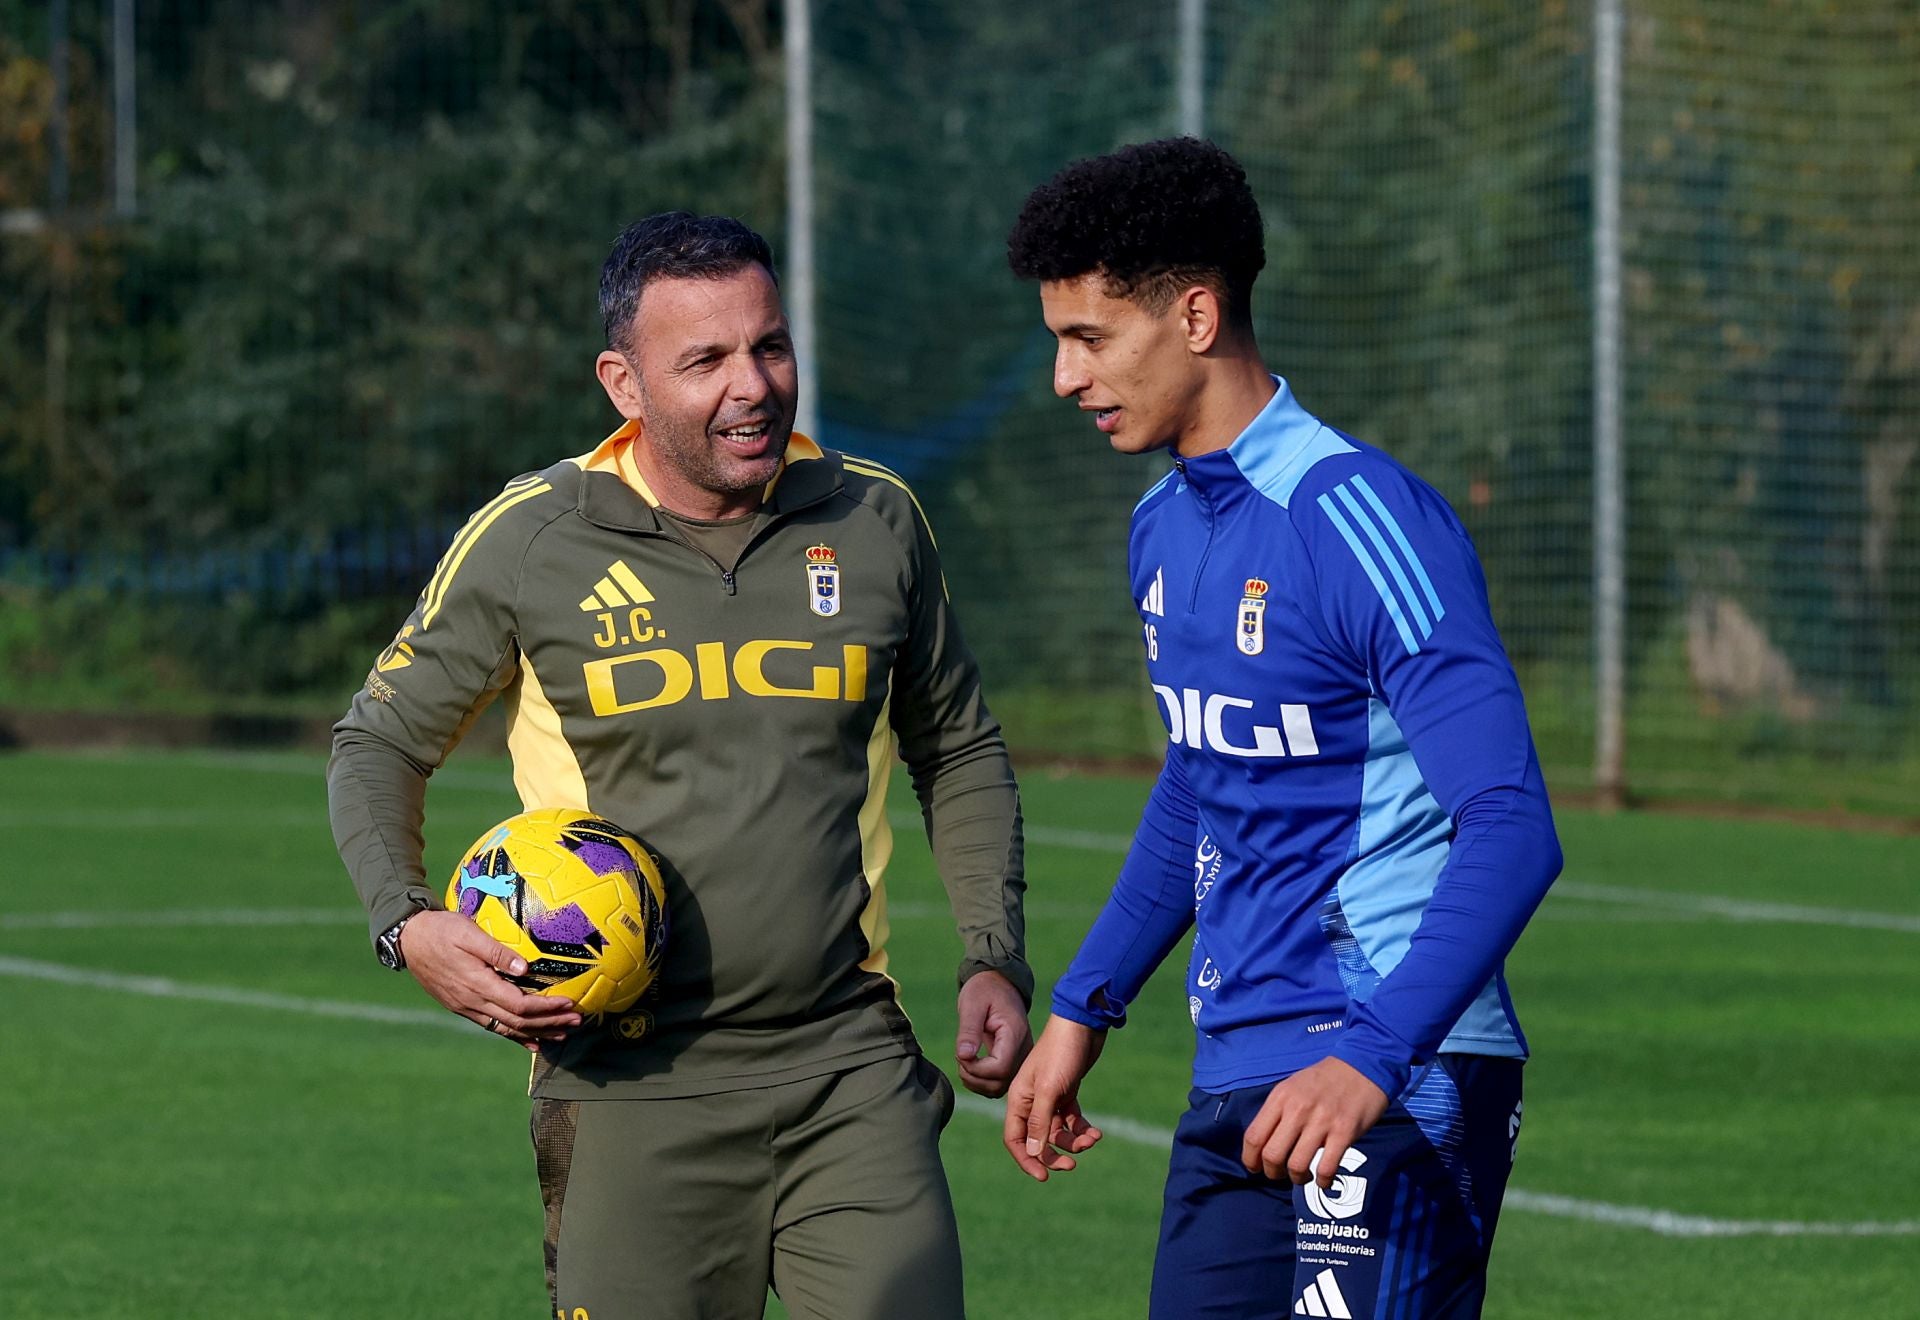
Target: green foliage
x=1422, y=291
x=91, y=649
x=933, y=125
x=55, y=647
x=429, y=328
x=1423, y=176
x=1771, y=296
x=1424, y=171
x=358, y=296
x=319, y=325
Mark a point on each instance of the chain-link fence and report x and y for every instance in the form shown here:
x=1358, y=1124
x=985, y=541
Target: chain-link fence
x=254, y=370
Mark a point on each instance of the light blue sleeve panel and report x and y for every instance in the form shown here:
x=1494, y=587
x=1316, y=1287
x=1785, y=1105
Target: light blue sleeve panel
x=1402, y=593
x=1150, y=908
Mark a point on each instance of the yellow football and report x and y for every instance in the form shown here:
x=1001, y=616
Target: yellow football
x=575, y=895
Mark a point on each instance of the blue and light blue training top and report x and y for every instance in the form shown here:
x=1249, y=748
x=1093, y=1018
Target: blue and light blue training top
x=1351, y=816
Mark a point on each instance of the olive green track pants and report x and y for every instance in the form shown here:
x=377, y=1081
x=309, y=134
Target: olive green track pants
x=830, y=1189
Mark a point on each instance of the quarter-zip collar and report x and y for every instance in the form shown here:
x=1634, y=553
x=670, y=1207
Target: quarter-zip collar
x=1279, y=437
x=613, y=494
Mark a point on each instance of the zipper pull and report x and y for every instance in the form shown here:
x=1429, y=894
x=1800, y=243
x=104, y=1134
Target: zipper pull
x=726, y=577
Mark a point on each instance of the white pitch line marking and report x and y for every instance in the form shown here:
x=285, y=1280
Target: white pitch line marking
x=910, y=910
x=1664, y=1222
x=133, y=919
x=1585, y=914
x=163, y=987
x=1668, y=1224
x=117, y=918
x=1738, y=909
x=903, y=910
x=900, y=910
x=94, y=819
x=1086, y=840
x=1713, y=905
x=1130, y=1130
x=1629, y=905
x=313, y=768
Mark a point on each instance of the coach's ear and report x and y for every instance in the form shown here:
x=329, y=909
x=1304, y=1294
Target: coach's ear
x=621, y=382
x=1200, y=313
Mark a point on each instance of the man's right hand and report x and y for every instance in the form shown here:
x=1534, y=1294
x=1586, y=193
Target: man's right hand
x=466, y=970
x=1045, y=1128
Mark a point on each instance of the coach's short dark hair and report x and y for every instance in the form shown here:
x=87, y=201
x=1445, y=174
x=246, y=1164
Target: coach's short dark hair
x=1153, y=219
x=672, y=245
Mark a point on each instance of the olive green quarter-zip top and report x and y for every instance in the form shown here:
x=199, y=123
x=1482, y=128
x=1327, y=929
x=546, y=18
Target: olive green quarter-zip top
x=742, y=718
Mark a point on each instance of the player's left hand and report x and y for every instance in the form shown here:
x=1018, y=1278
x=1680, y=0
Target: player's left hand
x=1320, y=1111
x=991, y=1012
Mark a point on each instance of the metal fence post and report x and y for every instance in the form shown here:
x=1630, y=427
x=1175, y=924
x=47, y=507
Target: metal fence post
x=800, y=285
x=1193, y=67
x=122, y=106
x=1609, y=513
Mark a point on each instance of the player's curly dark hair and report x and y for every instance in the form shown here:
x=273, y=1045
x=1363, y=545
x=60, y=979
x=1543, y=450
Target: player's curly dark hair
x=1153, y=218
x=672, y=245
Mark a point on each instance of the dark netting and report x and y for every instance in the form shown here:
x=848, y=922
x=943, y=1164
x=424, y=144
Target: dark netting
x=356, y=294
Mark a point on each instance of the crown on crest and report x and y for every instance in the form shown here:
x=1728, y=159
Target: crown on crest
x=1256, y=587
x=820, y=554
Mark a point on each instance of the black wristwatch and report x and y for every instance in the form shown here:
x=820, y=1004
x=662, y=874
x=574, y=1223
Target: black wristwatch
x=387, y=944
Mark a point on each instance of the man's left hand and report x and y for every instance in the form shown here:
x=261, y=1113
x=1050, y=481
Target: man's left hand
x=991, y=1013
x=1319, y=1110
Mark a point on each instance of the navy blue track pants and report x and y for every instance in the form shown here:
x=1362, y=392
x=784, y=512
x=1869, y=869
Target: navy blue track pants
x=1403, y=1233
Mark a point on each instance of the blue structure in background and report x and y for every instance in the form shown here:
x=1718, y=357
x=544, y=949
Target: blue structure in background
x=387, y=560
x=355, y=562
x=917, y=454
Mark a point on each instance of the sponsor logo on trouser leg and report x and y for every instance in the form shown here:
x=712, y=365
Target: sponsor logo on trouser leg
x=1323, y=1297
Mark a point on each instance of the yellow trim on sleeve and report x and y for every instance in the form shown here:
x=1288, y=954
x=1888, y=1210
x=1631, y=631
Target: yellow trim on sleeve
x=866, y=467
x=467, y=539
x=876, y=843
x=545, y=770
x=467, y=532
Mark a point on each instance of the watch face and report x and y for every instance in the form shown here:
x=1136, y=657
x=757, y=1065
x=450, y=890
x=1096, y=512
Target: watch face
x=388, y=947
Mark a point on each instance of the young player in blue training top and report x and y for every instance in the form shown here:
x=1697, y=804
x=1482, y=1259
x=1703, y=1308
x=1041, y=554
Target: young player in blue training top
x=1351, y=818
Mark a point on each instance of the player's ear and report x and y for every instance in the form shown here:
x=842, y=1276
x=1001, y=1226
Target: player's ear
x=619, y=380
x=1201, y=313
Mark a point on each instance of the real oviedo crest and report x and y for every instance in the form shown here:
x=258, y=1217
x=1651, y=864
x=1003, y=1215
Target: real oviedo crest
x=1251, y=634
x=823, y=581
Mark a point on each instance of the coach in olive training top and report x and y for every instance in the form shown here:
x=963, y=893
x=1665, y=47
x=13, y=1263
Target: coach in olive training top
x=718, y=637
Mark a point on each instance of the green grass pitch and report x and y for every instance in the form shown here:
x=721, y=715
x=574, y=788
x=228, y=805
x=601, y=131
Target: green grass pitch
x=1726, y=1018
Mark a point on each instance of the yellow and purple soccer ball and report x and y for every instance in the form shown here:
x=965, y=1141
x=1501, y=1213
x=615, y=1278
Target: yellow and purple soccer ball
x=576, y=896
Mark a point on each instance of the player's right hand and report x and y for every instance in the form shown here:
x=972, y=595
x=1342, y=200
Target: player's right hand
x=466, y=970
x=1045, y=1128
